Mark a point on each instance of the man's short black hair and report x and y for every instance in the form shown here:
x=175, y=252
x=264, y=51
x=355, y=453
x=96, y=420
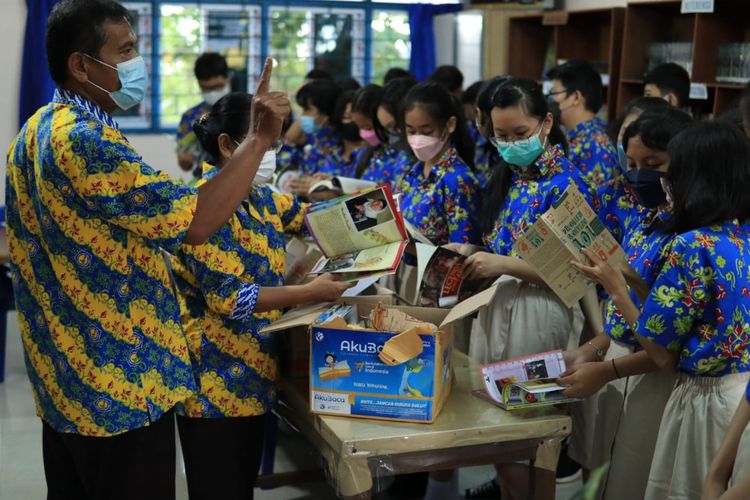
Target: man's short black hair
x=394, y=73
x=449, y=77
x=76, y=26
x=210, y=65
x=318, y=74
x=670, y=77
x=581, y=76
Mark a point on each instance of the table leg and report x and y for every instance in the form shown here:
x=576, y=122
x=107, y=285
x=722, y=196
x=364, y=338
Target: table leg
x=354, y=478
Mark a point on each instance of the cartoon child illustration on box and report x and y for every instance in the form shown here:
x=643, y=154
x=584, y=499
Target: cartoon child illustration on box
x=330, y=360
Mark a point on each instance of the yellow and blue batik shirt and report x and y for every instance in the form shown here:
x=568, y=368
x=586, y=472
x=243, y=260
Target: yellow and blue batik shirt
x=104, y=347
x=219, y=282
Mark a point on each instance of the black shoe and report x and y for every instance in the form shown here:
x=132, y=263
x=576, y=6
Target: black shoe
x=568, y=470
x=488, y=490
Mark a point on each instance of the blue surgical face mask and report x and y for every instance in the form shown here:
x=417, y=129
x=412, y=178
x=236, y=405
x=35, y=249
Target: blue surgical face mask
x=133, y=82
x=308, y=124
x=521, y=153
x=622, y=158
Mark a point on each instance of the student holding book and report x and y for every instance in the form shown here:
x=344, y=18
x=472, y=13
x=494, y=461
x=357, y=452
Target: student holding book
x=526, y=317
x=384, y=158
x=440, y=192
x=694, y=319
x=615, y=435
x=230, y=288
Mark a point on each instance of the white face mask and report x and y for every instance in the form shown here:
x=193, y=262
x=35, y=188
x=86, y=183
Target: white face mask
x=267, y=167
x=212, y=97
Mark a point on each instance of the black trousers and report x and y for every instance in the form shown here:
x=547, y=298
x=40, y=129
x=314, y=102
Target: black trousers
x=222, y=456
x=138, y=464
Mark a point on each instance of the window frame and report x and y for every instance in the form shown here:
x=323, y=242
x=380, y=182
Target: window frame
x=154, y=125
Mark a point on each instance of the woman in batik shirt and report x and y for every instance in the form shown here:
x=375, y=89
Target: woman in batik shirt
x=231, y=288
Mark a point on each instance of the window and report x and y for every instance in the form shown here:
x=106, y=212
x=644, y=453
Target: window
x=333, y=35
x=390, y=42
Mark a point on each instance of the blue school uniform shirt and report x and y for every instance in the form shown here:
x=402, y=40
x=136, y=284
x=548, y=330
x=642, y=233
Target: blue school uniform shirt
x=320, y=145
x=590, y=149
x=620, y=210
x=647, y=251
x=443, y=205
x=289, y=158
x=698, y=305
x=387, y=165
x=532, y=193
x=337, y=164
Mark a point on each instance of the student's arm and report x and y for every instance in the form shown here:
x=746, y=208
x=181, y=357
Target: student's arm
x=218, y=271
x=220, y=197
x=722, y=465
x=587, y=378
x=482, y=265
x=295, y=136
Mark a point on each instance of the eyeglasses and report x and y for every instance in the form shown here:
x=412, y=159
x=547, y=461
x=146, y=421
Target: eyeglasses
x=523, y=141
x=553, y=94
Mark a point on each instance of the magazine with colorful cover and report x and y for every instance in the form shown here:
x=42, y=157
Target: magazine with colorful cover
x=525, y=382
x=441, y=278
x=558, y=237
x=360, y=235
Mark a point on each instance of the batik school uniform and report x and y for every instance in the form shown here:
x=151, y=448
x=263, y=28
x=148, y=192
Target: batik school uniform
x=623, y=428
x=590, y=149
x=236, y=363
x=698, y=308
x=485, y=155
x=619, y=208
x=387, y=164
x=289, y=158
x=320, y=145
x=443, y=205
x=337, y=164
x=525, y=318
x=187, y=141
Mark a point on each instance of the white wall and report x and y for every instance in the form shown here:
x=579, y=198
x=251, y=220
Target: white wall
x=12, y=24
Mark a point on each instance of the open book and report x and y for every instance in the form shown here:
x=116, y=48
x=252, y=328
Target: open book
x=525, y=382
x=556, y=239
x=361, y=235
x=345, y=185
x=440, y=279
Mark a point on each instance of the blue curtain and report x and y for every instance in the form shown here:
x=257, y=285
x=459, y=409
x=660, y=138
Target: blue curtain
x=37, y=86
x=422, y=62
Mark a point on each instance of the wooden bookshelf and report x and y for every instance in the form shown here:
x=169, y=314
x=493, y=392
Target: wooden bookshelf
x=661, y=22
x=539, y=41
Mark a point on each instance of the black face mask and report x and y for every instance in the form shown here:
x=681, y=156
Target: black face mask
x=350, y=132
x=647, y=186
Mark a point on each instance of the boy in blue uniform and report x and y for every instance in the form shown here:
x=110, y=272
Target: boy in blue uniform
x=212, y=73
x=577, y=94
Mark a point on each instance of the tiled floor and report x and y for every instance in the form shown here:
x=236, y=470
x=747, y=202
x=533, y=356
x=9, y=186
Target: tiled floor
x=22, y=474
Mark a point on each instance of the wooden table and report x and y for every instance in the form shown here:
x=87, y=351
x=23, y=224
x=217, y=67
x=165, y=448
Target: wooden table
x=469, y=431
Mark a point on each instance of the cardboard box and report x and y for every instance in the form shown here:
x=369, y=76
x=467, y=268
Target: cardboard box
x=348, y=378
